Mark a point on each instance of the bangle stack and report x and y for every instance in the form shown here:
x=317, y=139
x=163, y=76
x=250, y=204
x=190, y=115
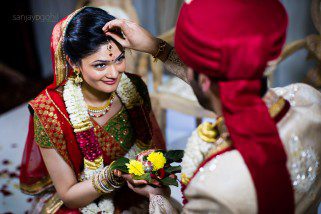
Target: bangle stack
x=105, y=181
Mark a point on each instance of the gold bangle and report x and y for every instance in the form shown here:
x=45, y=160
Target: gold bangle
x=161, y=48
x=94, y=184
x=104, y=184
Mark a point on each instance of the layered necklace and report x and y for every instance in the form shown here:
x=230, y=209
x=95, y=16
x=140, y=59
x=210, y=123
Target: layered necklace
x=100, y=111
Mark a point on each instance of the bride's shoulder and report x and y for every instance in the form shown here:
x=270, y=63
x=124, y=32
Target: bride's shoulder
x=41, y=99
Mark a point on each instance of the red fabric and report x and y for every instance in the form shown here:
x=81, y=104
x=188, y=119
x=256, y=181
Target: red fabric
x=32, y=167
x=73, y=148
x=231, y=41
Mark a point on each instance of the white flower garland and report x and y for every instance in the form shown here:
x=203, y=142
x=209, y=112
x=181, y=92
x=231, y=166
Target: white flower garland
x=194, y=154
x=127, y=92
x=75, y=104
x=78, y=115
x=105, y=205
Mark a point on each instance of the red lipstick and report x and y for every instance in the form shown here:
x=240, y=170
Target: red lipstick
x=110, y=82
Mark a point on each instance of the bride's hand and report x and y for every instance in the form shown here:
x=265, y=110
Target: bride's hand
x=141, y=187
x=135, y=36
x=149, y=191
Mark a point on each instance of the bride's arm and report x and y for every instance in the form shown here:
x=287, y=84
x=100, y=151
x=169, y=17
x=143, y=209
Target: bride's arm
x=74, y=194
x=137, y=38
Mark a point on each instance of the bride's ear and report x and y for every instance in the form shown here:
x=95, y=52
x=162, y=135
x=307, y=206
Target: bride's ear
x=70, y=62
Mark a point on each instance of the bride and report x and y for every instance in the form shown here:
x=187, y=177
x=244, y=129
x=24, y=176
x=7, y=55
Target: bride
x=93, y=113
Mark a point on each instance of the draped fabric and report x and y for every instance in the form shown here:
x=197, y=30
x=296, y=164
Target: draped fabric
x=233, y=48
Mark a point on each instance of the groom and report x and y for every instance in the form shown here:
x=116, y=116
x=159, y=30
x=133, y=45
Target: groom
x=238, y=164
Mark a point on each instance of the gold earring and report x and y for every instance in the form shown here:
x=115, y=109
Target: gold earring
x=78, y=78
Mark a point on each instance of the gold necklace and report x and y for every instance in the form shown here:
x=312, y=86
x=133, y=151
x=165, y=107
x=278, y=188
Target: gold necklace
x=100, y=111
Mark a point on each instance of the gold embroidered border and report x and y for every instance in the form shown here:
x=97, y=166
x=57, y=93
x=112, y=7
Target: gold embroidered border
x=52, y=205
x=108, y=143
x=37, y=187
x=47, y=114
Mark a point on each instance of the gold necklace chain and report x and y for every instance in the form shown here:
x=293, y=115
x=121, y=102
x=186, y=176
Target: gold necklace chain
x=104, y=108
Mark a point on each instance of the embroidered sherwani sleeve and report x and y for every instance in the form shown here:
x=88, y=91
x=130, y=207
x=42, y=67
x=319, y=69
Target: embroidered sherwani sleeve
x=175, y=66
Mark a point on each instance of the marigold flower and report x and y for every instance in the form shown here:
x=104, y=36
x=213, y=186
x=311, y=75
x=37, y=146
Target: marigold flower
x=135, y=167
x=157, y=159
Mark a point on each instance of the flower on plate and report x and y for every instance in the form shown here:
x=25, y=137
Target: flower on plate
x=157, y=159
x=135, y=167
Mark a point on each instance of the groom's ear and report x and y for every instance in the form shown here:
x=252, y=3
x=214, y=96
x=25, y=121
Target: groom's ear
x=204, y=82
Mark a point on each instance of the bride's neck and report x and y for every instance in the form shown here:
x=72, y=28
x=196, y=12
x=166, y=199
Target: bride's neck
x=93, y=96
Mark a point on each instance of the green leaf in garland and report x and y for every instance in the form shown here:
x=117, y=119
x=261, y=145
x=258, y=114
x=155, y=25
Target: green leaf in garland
x=145, y=177
x=174, y=156
x=173, y=169
x=169, y=181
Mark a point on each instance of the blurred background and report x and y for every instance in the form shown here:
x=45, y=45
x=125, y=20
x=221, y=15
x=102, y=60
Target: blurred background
x=26, y=69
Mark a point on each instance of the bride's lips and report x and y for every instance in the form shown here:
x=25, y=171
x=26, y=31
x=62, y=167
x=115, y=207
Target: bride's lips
x=110, y=82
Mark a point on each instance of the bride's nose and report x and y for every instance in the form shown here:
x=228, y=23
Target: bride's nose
x=113, y=72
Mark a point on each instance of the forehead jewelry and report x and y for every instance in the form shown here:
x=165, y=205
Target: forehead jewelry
x=109, y=47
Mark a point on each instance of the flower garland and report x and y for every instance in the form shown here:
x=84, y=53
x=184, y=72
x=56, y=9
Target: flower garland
x=207, y=140
x=194, y=154
x=84, y=130
x=105, y=205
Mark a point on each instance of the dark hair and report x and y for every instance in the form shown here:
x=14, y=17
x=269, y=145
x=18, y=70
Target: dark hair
x=84, y=34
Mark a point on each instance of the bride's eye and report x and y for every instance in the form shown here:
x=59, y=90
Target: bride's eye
x=120, y=59
x=100, y=65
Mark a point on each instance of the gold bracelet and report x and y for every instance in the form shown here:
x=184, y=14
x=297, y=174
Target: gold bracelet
x=104, y=184
x=161, y=48
x=93, y=182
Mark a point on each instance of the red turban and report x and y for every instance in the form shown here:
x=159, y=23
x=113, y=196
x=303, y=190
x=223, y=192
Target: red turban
x=231, y=41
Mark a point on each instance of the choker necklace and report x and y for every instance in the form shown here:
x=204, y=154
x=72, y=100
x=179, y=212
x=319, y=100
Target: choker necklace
x=100, y=111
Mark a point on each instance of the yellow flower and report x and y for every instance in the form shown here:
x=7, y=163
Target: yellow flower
x=157, y=159
x=135, y=167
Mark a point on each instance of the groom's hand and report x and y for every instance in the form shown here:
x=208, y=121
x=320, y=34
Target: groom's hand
x=134, y=36
x=149, y=191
